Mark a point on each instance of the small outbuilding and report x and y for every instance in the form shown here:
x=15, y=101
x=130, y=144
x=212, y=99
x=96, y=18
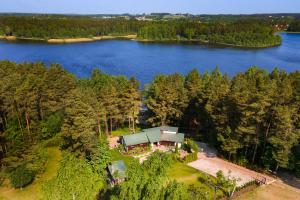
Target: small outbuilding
x=117, y=171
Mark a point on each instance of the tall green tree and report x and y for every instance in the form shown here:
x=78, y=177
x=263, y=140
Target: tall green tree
x=75, y=180
x=284, y=135
x=166, y=99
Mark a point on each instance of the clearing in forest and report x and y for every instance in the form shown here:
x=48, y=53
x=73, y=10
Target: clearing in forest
x=34, y=190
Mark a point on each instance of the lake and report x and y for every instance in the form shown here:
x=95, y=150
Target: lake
x=145, y=60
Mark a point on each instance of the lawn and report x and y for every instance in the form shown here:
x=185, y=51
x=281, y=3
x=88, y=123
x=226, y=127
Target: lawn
x=33, y=191
x=123, y=131
x=184, y=173
x=190, y=176
x=116, y=155
x=275, y=191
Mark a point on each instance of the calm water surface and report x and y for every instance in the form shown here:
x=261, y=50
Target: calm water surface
x=144, y=60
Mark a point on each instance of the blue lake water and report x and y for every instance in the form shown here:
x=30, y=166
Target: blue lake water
x=145, y=60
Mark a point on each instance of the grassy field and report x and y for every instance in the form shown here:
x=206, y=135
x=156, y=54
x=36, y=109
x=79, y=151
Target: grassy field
x=275, y=191
x=33, y=191
x=124, y=131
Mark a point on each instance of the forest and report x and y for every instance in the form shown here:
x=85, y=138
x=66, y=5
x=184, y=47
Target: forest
x=243, y=32
x=253, y=119
x=294, y=26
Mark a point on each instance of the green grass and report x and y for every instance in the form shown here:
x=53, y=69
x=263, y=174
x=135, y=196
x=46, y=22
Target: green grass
x=124, y=131
x=116, y=155
x=190, y=176
x=33, y=191
x=184, y=173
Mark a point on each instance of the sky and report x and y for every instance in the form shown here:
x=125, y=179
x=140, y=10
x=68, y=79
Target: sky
x=148, y=6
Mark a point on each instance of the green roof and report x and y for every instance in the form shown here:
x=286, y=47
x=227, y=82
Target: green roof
x=134, y=139
x=152, y=135
x=117, y=169
x=164, y=128
x=170, y=137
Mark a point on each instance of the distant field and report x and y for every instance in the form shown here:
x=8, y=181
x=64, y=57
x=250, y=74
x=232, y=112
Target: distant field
x=275, y=191
x=33, y=191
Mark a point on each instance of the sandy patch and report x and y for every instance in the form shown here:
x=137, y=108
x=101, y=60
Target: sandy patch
x=74, y=40
x=70, y=40
x=8, y=37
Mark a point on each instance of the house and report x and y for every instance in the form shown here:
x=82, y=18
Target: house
x=117, y=171
x=164, y=135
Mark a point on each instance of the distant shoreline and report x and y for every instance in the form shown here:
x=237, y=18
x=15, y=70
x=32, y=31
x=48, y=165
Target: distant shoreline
x=295, y=32
x=128, y=37
x=69, y=40
x=206, y=42
x=92, y=39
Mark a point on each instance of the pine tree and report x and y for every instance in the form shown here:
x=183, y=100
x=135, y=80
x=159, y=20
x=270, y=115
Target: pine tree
x=80, y=124
x=166, y=99
x=284, y=135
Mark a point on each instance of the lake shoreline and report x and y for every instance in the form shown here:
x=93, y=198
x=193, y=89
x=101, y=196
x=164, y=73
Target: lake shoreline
x=127, y=37
x=144, y=60
x=92, y=39
x=206, y=42
x=68, y=40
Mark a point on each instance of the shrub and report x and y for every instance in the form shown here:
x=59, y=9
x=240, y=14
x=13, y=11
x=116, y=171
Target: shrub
x=53, y=142
x=37, y=159
x=190, y=146
x=75, y=180
x=139, y=150
x=248, y=184
x=242, y=161
x=52, y=125
x=21, y=176
x=190, y=157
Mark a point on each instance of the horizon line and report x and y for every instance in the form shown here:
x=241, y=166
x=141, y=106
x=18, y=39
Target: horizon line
x=173, y=13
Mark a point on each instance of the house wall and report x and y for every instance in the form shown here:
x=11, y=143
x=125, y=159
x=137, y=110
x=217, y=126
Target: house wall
x=179, y=145
x=166, y=143
x=144, y=145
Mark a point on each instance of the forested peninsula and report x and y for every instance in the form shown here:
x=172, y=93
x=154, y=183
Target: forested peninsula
x=241, y=33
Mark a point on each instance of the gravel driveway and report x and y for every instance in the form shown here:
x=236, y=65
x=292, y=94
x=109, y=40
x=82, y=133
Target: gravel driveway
x=212, y=164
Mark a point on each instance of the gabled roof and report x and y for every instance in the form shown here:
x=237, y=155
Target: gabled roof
x=134, y=139
x=163, y=128
x=117, y=169
x=170, y=128
x=170, y=137
x=152, y=135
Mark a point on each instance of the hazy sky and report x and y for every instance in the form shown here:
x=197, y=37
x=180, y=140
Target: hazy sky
x=148, y=6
